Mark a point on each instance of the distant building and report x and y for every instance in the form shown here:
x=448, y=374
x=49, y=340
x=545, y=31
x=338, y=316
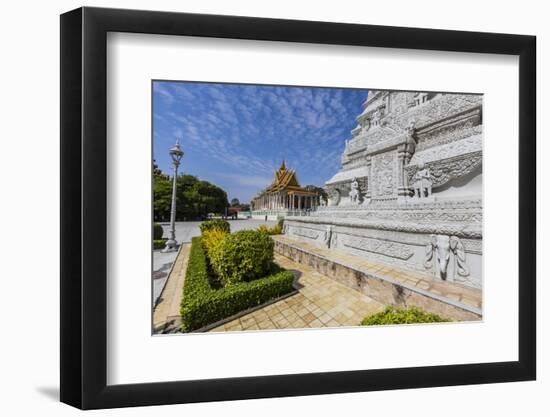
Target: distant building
x=284, y=197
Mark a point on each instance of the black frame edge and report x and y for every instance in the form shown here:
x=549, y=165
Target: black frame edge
x=83, y=175
x=70, y=221
x=527, y=272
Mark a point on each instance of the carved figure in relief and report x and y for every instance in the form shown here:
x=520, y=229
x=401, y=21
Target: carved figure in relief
x=410, y=141
x=366, y=125
x=460, y=256
x=422, y=182
x=377, y=116
x=355, y=193
x=333, y=196
x=333, y=238
x=442, y=246
x=327, y=237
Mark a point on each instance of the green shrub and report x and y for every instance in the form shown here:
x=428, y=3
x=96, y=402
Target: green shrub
x=263, y=228
x=201, y=305
x=275, y=230
x=157, y=231
x=215, y=224
x=392, y=315
x=211, y=239
x=159, y=243
x=242, y=256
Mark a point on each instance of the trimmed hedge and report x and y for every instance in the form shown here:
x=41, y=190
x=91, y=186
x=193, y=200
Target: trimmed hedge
x=245, y=255
x=159, y=243
x=201, y=305
x=158, y=231
x=392, y=315
x=215, y=224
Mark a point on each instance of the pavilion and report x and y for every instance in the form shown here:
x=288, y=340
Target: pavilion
x=284, y=196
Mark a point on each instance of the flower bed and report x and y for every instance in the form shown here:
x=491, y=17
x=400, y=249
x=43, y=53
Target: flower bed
x=202, y=304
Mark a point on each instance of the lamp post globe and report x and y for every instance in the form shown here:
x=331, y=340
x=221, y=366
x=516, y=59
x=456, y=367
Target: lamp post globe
x=176, y=154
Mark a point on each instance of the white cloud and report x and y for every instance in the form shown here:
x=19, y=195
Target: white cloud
x=248, y=180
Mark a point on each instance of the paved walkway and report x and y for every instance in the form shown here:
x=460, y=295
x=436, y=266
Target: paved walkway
x=320, y=302
x=166, y=315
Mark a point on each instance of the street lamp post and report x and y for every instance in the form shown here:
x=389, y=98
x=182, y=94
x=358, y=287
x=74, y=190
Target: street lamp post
x=176, y=154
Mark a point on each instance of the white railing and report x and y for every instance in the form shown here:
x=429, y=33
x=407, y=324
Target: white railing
x=297, y=212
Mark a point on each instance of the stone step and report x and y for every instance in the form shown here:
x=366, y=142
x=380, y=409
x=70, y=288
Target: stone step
x=387, y=284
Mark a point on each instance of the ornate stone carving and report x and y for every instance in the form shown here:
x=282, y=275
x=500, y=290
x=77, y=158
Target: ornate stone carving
x=462, y=147
x=355, y=196
x=383, y=169
x=443, y=171
x=441, y=247
x=309, y=233
x=460, y=256
x=410, y=141
x=422, y=182
x=334, y=195
x=392, y=249
x=327, y=237
x=449, y=133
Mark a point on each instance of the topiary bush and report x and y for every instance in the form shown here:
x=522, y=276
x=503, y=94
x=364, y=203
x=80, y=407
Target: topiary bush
x=215, y=224
x=242, y=256
x=202, y=305
x=393, y=315
x=158, y=231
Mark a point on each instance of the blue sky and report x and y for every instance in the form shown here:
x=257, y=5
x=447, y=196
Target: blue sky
x=235, y=136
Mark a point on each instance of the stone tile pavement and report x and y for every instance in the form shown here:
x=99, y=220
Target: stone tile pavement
x=320, y=302
x=166, y=315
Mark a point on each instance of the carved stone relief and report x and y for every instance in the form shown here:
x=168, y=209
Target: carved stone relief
x=384, y=174
x=392, y=249
x=309, y=233
x=443, y=171
x=438, y=254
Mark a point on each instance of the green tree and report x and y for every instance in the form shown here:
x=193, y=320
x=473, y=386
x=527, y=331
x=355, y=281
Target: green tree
x=162, y=194
x=194, y=198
